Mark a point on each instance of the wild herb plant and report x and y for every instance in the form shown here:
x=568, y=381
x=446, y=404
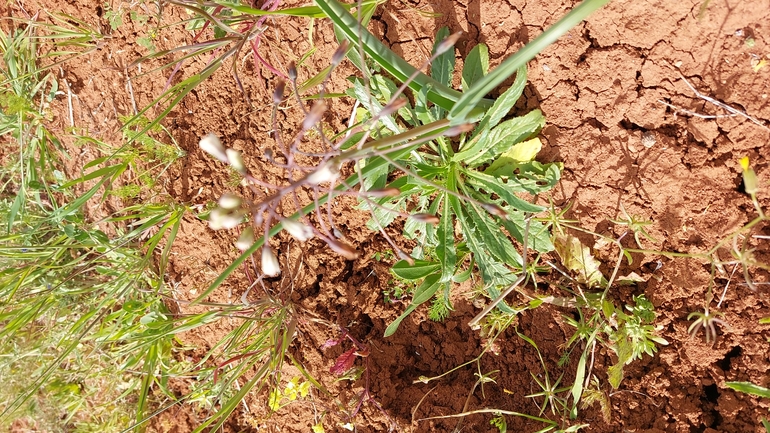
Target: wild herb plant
x=74, y=298
x=473, y=181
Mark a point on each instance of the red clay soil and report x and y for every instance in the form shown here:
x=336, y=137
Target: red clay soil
x=600, y=87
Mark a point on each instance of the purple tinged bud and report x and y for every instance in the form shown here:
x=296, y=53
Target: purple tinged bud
x=495, y=210
x=292, y=71
x=280, y=86
x=403, y=256
x=340, y=53
x=385, y=192
x=393, y=107
x=459, y=129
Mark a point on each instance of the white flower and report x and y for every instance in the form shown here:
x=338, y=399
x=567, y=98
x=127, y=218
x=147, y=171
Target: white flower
x=223, y=219
x=300, y=231
x=229, y=201
x=270, y=265
x=325, y=173
x=236, y=160
x=211, y=145
x=246, y=239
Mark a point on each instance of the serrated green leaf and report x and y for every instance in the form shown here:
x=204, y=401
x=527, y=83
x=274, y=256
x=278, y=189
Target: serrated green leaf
x=504, y=103
x=422, y=294
x=538, y=239
x=497, y=186
x=442, y=68
x=420, y=269
x=372, y=105
x=476, y=66
x=481, y=225
x=491, y=144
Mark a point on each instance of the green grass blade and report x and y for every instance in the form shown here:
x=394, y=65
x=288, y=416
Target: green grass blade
x=749, y=388
x=399, y=68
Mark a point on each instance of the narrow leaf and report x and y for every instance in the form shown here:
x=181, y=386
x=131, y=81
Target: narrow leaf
x=476, y=66
x=422, y=294
x=420, y=269
x=749, y=388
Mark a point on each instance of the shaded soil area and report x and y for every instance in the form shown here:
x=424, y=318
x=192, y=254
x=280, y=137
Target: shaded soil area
x=604, y=88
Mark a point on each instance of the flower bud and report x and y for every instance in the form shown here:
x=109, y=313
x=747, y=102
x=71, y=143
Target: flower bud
x=393, y=107
x=300, y=231
x=459, y=129
x=245, y=240
x=213, y=146
x=229, y=201
x=328, y=172
x=236, y=160
x=220, y=218
x=495, y=210
x=749, y=177
x=292, y=71
x=270, y=265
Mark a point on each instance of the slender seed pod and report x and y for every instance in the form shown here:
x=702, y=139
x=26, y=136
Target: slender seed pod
x=426, y=218
x=343, y=249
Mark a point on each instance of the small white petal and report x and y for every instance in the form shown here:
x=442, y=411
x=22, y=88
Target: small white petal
x=236, y=160
x=270, y=265
x=211, y=145
x=229, y=201
x=325, y=173
x=246, y=240
x=300, y=231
